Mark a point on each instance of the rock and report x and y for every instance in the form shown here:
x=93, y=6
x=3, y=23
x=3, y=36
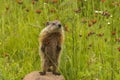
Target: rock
x=36, y=76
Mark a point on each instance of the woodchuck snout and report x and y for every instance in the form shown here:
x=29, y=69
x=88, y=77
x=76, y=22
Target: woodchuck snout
x=51, y=40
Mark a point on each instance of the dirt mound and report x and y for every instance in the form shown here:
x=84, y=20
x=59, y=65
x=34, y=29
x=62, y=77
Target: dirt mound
x=36, y=76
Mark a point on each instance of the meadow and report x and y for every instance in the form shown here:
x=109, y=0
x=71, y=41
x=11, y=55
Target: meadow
x=91, y=50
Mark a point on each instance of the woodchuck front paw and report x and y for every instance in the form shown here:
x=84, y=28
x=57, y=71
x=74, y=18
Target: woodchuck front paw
x=43, y=48
x=58, y=48
x=42, y=73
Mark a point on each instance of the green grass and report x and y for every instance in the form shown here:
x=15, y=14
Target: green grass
x=83, y=58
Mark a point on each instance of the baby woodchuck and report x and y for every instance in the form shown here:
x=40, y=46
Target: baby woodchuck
x=51, y=40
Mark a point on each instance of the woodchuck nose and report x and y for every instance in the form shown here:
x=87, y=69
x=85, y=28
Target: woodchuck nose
x=51, y=39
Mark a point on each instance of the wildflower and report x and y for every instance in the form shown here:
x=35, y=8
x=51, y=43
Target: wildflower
x=77, y=10
x=91, y=33
x=105, y=13
x=113, y=33
x=90, y=24
x=115, y=3
x=66, y=28
x=100, y=34
x=118, y=49
x=33, y=2
x=19, y=1
x=52, y=10
x=111, y=16
x=108, y=23
x=94, y=21
x=45, y=3
x=6, y=55
x=98, y=12
x=103, y=0
x=117, y=39
x=38, y=11
x=54, y=1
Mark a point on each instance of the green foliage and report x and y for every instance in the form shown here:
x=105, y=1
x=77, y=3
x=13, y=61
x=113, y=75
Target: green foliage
x=92, y=41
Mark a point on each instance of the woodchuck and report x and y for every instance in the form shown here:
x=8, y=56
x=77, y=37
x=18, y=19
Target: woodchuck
x=51, y=39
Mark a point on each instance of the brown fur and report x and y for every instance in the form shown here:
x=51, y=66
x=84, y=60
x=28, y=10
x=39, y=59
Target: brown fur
x=51, y=44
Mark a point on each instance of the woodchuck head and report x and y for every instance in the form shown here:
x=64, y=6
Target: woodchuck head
x=54, y=26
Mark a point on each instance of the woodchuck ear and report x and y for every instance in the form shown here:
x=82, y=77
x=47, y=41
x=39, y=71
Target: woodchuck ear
x=47, y=23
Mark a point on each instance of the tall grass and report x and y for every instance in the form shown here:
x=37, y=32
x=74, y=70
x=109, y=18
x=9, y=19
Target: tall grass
x=94, y=57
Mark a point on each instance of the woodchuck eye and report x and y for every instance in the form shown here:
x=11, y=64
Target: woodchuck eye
x=47, y=23
x=59, y=25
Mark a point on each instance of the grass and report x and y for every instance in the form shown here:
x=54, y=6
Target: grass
x=92, y=40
